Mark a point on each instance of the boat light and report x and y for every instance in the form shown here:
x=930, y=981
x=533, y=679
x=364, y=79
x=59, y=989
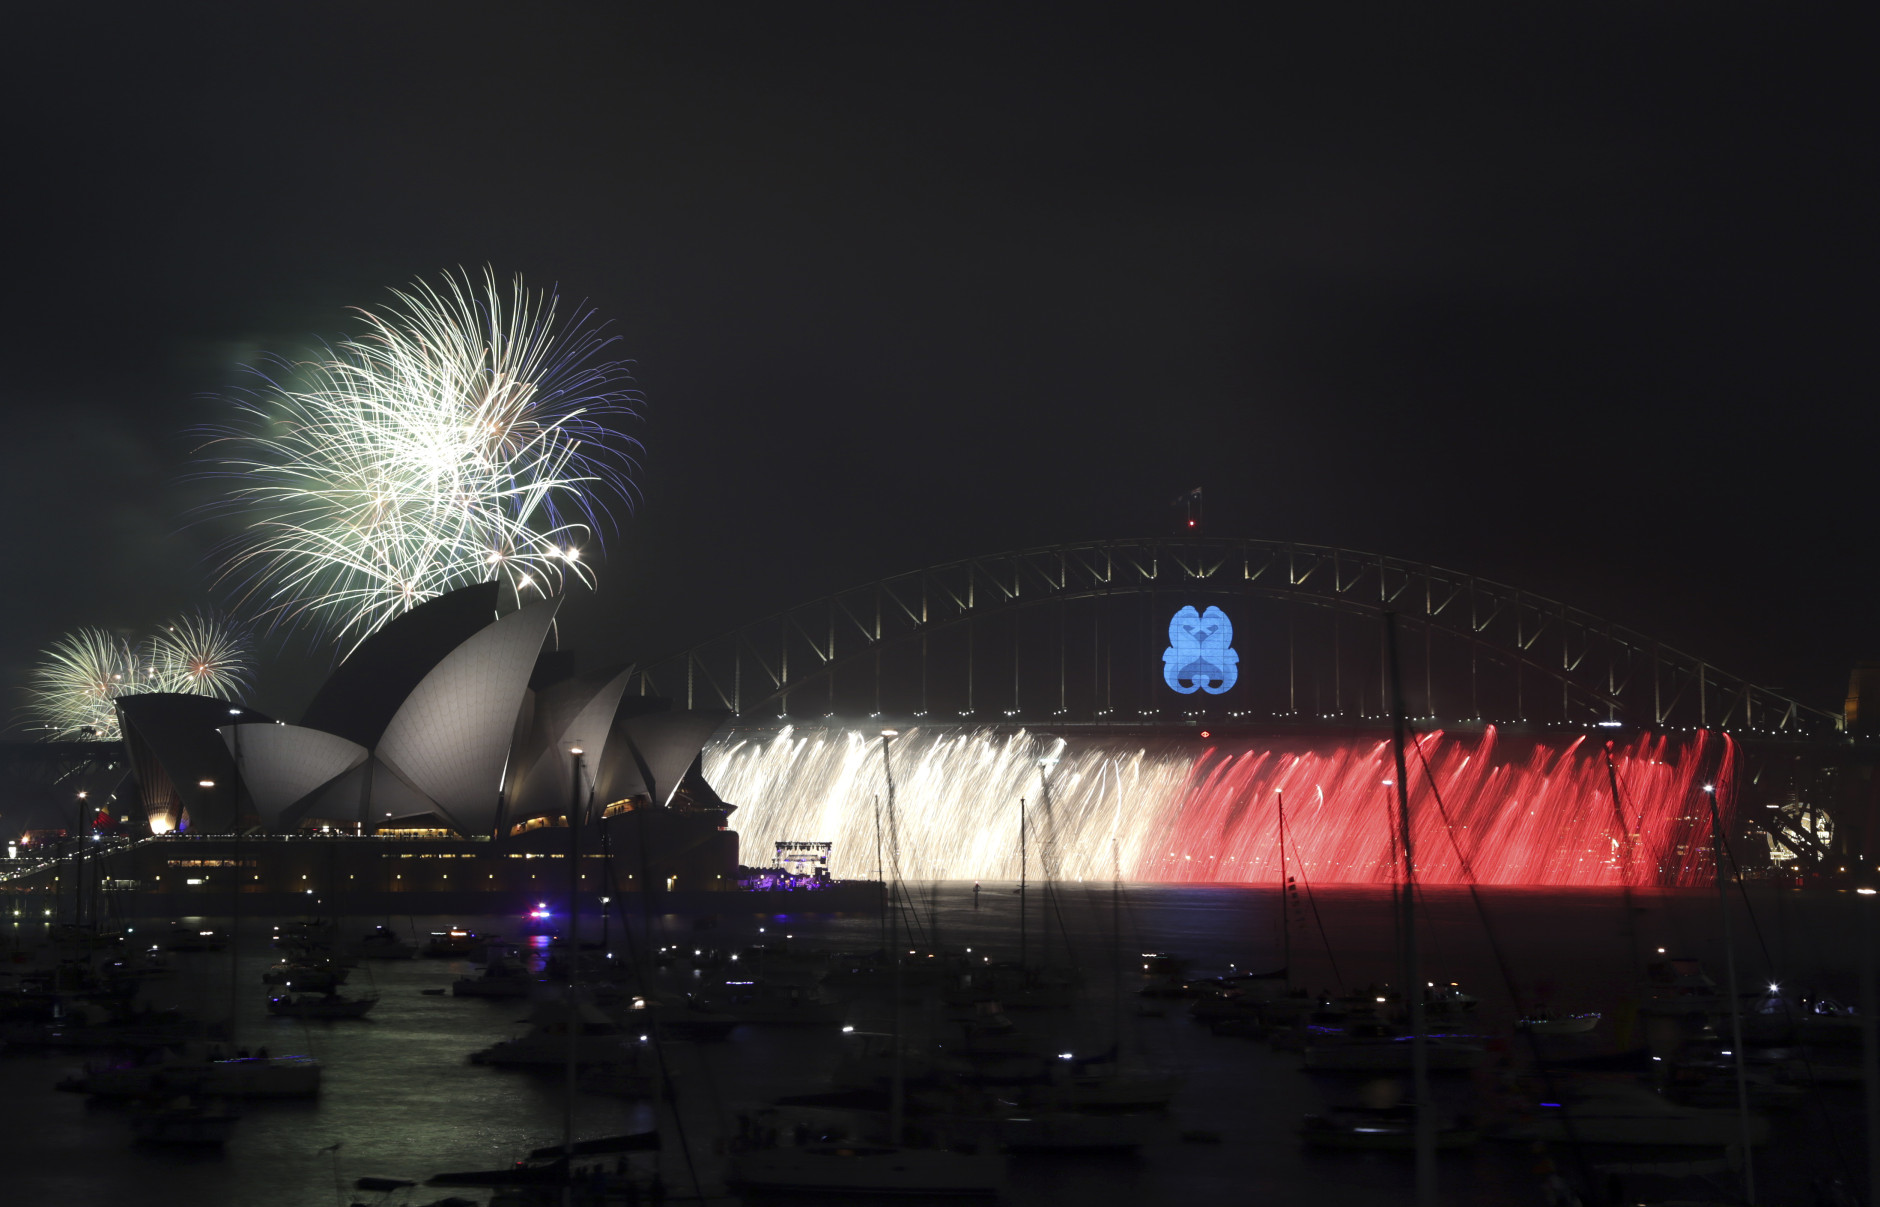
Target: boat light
x=1064, y=1055
x=847, y=1028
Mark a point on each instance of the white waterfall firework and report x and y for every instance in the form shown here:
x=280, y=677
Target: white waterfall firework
x=1181, y=808
x=957, y=795
x=72, y=693
x=460, y=437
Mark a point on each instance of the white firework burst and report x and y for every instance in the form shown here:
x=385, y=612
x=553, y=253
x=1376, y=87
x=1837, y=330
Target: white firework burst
x=199, y=655
x=460, y=437
x=73, y=687
x=73, y=692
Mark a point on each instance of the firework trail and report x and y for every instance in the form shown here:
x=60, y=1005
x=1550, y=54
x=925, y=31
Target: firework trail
x=461, y=436
x=73, y=690
x=1529, y=811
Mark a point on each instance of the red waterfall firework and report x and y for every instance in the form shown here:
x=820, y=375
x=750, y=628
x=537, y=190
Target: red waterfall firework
x=1541, y=814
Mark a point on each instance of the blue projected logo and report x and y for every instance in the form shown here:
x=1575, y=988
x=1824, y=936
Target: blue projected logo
x=1200, y=652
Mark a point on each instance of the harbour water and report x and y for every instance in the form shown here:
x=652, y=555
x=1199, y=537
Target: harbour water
x=401, y=1098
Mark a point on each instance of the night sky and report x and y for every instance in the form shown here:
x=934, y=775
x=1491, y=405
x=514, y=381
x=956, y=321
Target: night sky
x=1580, y=300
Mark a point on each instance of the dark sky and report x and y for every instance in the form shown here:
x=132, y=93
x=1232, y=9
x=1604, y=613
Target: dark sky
x=1580, y=299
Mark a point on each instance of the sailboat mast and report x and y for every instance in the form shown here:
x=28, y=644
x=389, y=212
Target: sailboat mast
x=1736, y=1003
x=881, y=870
x=1413, y=968
x=1285, y=892
x=1022, y=861
x=897, y=1092
x=1625, y=858
x=574, y=955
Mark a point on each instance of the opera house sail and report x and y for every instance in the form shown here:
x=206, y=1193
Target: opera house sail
x=449, y=727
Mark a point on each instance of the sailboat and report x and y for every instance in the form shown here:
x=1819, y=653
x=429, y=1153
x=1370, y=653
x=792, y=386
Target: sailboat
x=802, y=1159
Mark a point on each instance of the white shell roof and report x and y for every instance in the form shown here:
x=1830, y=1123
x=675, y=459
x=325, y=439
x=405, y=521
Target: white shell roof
x=546, y=789
x=280, y=764
x=451, y=735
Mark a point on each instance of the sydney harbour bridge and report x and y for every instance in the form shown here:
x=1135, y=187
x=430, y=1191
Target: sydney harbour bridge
x=1553, y=746
x=1219, y=710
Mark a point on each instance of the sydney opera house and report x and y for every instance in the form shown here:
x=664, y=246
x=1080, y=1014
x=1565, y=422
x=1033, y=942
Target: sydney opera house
x=455, y=745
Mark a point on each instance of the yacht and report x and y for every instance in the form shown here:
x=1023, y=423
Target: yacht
x=321, y=1005
x=1545, y=1021
x=1625, y=1112
x=778, y=1003
x=1391, y=1129
x=500, y=978
x=1377, y=1048
x=383, y=944
x=210, y=1073
x=597, y=1039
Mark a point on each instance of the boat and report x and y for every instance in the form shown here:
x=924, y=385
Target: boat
x=549, y=1043
x=545, y=1173
x=1391, y=1129
x=1377, y=1048
x=1105, y=1083
x=183, y=1121
x=321, y=1005
x=681, y=1017
x=500, y=978
x=454, y=944
x=191, y=938
x=1625, y=1112
x=1680, y=986
x=1071, y=1132
x=210, y=1073
x=382, y=944
x=320, y=977
x=778, y=1003
x=800, y=1159
x=1546, y=1022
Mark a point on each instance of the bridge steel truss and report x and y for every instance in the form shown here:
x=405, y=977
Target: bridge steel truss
x=1602, y=670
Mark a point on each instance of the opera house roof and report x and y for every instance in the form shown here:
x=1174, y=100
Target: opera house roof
x=434, y=717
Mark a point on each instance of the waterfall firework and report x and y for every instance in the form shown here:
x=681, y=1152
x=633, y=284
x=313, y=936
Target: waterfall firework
x=74, y=687
x=462, y=435
x=1512, y=810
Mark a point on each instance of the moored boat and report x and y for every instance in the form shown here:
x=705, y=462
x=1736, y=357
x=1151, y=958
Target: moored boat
x=321, y=1005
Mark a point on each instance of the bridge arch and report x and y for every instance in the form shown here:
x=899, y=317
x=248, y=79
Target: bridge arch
x=1475, y=650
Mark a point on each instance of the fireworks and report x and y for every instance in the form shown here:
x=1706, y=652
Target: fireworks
x=199, y=655
x=461, y=436
x=81, y=675
x=74, y=685
x=1169, y=809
